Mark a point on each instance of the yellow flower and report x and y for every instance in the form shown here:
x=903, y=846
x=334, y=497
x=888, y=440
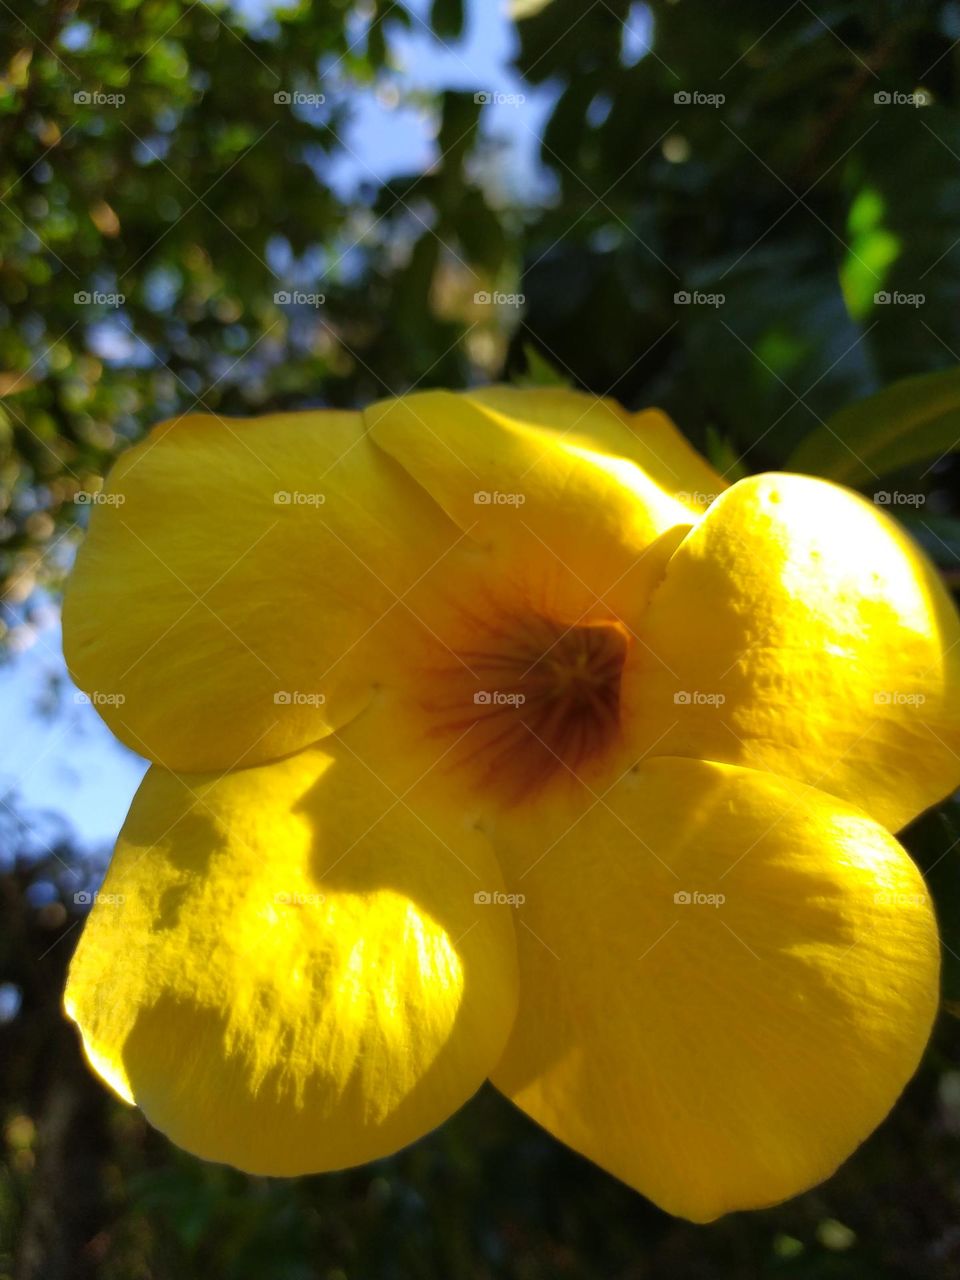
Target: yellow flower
x=488, y=741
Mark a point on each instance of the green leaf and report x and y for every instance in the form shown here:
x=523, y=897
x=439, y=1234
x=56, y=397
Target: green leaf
x=724, y=455
x=446, y=18
x=909, y=421
x=540, y=372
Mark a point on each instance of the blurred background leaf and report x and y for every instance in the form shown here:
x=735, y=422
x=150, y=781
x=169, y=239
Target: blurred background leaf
x=909, y=421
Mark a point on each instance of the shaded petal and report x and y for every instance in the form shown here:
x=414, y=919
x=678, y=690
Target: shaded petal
x=243, y=584
x=287, y=968
x=715, y=1056
x=800, y=630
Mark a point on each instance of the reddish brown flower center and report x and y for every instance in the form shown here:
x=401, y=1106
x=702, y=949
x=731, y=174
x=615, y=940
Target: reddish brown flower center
x=535, y=701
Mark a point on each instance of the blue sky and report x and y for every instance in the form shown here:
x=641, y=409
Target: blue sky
x=64, y=758
x=389, y=140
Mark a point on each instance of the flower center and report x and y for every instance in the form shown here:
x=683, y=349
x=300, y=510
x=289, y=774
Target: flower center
x=539, y=700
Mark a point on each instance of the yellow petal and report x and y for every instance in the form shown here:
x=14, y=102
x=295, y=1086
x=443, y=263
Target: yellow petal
x=578, y=529
x=242, y=585
x=799, y=630
x=287, y=968
x=726, y=980
x=648, y=438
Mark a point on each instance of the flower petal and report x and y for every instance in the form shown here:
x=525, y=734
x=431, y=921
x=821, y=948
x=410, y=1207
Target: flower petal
x=716, y=1057
x=799, y=629
x=243, y=583
x=648, y=438
x=287, y=968
x=578, y=529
